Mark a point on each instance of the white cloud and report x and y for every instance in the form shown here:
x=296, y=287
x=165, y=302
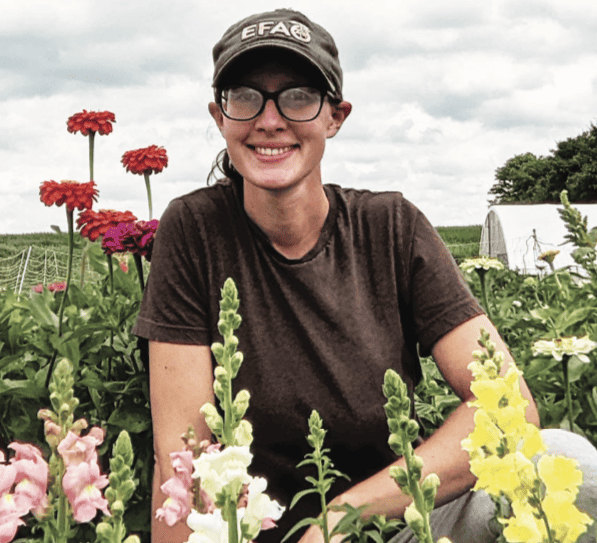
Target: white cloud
x=443, y=94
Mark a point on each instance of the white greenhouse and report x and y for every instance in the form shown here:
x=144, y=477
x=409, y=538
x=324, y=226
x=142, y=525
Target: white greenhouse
x=518, y=233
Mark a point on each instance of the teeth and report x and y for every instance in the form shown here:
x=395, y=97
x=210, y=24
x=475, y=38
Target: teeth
x=272, y=151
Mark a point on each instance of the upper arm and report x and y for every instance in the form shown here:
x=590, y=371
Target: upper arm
x=453, y=354
x=181, y=381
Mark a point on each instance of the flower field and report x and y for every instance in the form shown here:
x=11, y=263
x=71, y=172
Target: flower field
x=68, y=361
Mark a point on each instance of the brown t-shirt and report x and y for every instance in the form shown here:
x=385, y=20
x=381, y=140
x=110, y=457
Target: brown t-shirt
x=318, y=332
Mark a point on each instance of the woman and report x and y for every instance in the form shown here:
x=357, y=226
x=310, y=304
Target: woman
x=336, y=285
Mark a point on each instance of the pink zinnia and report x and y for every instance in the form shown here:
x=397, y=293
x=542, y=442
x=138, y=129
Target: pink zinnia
x=82, y=484
x=58, y=286
x=136, y=238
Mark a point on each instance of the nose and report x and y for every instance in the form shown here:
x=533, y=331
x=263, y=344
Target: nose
x=270, y=117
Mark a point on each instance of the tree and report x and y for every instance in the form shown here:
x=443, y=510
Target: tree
x=571, y=166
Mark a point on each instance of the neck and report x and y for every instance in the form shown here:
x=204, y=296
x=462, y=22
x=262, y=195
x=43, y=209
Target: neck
x=291, y=218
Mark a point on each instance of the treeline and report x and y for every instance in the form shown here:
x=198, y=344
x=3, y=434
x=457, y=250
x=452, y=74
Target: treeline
x=572, y=165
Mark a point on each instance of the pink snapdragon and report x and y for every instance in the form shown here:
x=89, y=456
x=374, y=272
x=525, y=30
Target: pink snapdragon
x=178, y=489
x=82, y=484
x=9, y=518
x=31, y=479
x=75, y=449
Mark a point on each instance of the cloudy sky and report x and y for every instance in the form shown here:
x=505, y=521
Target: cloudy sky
x=443, y=93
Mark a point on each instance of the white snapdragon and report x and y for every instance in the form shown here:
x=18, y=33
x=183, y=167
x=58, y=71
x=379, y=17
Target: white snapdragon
x=222, y=468
x=208, y=527
x=259, y=507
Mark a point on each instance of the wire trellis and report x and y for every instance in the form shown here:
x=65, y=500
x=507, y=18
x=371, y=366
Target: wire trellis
x=36, y=265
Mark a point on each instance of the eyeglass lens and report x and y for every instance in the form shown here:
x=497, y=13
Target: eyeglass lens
x=296, y=104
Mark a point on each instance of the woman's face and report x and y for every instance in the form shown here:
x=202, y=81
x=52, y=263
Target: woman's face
x=271, y=152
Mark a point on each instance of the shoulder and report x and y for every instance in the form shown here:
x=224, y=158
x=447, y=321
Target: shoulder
x=201, y=206
x=388, y=209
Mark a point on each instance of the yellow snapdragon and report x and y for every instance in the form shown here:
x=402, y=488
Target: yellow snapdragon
x=501, y=448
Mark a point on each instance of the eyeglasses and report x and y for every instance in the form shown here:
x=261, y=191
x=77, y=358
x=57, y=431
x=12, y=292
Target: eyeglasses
x=297, y=104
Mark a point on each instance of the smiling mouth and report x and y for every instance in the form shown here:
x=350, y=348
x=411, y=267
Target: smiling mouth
x=272, y=151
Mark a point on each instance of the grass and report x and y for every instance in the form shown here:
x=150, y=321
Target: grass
x=463, y=241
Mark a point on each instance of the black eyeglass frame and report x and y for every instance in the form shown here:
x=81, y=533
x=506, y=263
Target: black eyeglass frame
x=274, y=97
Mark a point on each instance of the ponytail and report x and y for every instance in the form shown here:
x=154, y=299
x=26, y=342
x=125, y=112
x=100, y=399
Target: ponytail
x=223, y=165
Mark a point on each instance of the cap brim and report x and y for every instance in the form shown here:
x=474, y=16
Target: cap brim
x=273, y=44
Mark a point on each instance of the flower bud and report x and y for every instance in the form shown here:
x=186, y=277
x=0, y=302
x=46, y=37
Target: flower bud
x=218, y=350
x=414, y=519
x=212, y=418
x=241, y=403
x=117, y=508
x=78, y=426
x=220, y=374
x=400, y=476
x=396, y=445
x=243, y=434
x=429, y=490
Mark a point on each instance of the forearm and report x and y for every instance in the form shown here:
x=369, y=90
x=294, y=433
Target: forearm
x=441, y=454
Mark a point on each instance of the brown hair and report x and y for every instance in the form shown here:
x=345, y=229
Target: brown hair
x=223, y=165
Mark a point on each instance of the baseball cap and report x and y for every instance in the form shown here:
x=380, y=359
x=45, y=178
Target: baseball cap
x=281, y=29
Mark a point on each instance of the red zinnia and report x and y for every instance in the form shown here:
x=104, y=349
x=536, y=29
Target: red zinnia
x=133, y=237
x=91, y=121
x=152, y=159
x=96, y=223
x=75, y=195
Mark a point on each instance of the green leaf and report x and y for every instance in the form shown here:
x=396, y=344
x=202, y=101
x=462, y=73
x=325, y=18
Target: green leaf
x=133, y=419
x=301, y=524
x=300, y=494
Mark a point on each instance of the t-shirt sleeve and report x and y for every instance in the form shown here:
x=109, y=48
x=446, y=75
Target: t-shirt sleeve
x=440, y=297
x=174, y=306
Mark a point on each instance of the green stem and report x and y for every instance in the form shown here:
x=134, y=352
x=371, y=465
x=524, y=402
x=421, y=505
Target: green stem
x=91, y=139
x=543, y=516
x=139, y=266
x=232, y=523
x=324, y=507
x=69, y=218
x=568, y=392
x=110, y=274
x=63, y=524
x=148, y=187
x=481, y=273
x=415, y=488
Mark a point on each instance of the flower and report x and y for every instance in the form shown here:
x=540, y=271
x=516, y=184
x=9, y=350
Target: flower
x=548, y=256
x=261, y=510
x=208, y=527
x=58, y=286
x=39, y=288
x=94, y=224
x=9, y=518
x=481, y=263
x=74, y=194
x=178, y=504
x=569, y=346
x=75, y=450
x=221, y=469
x=82, y=484
x=91, y=121
x=133, y=237
x=152, y=159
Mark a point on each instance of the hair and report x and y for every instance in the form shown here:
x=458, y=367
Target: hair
x=223, y=165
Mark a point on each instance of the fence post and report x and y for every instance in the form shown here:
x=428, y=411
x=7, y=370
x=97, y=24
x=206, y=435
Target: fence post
x=24, y=270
